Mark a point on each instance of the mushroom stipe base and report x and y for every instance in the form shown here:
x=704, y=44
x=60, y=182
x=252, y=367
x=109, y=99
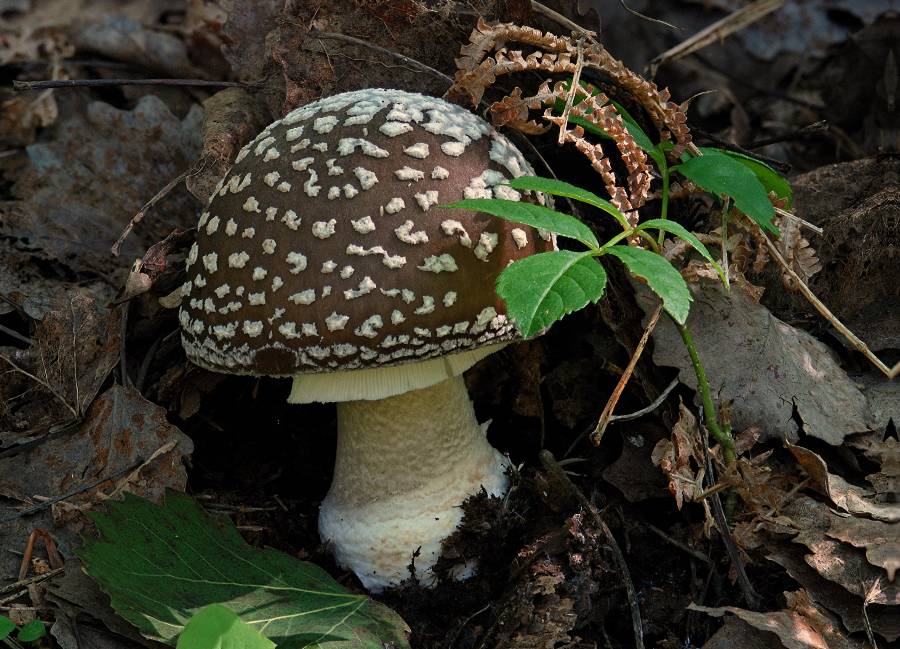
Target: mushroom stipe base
x=404, y=466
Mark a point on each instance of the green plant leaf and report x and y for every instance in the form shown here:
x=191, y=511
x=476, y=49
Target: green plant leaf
x=32, y=631
x=769, y=177
x=536, y=216
x=661, y=276
x=721, y=174
x=542, y=288
x=161, y=564
x=562, y=188
x=682, y=233
x=218, y=627
x=6, y=627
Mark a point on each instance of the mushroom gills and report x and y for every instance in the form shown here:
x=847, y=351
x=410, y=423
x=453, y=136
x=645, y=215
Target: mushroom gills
x=404, y=466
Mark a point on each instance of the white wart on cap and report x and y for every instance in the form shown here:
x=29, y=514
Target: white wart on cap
x=323, y=249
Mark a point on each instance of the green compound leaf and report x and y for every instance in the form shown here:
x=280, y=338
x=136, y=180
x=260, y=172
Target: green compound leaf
x=161, y=564
x=661, y=276
x=720, y=174
x=682, y=233
x=217, y=627
x=542, y=288
x=771, y=179
x=32, y=631
x=560, y=188
x=536, y=216
x=6, y=627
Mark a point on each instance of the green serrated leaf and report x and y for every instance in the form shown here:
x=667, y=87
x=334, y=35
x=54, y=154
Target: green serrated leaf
x=561, y=188
x=161, y=564
x=218, y=627
x=771, y=179
x=682, y=233
x=32, y=631
x=661, y=276
x=721, y=174
x=542, y=288
x=536, y=216
x=6, y=627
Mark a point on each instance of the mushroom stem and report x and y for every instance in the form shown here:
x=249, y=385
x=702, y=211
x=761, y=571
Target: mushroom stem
x=404, y=466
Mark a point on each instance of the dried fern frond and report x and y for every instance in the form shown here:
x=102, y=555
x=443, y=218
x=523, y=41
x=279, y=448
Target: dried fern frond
x=477, y=71
x=799, y=254
x=514, y=110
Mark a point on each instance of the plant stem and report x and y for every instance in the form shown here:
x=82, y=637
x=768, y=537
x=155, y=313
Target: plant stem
x=712, y=419
x=664, y=210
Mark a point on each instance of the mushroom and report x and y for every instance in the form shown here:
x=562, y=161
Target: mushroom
x=324, y=255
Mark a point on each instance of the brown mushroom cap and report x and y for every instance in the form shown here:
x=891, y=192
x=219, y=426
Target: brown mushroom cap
x=323, y=249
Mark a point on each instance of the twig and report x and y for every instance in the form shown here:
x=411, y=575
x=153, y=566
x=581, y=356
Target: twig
x=140, y=215
x=801, y=222
x=826, y=313
x=605, y=416
x=23, y=584
x=333, y=36
x=656, y=403
x=821, y=125
x=574, y=84
x=15, y=334
x=43, y=384
x=783, y=167
x=750, y=595
x=638, y=14
x=559, y=477
x=91, y=83
x=676, y=543
x=56, y=499
x=559, y=19
x=716, y=32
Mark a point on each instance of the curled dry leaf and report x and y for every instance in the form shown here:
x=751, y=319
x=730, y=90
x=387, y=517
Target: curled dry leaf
x=803, y=625
x=231, y=118
x=681, y=459
x=850, y=498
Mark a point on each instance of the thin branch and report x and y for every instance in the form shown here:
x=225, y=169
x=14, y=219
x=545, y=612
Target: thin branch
x=826, y=313
x=19, y=588
x=574, y=84
x=678, y=544
x=15, y=334
x=333, y=36
x=137, y=218
x=559, y=19
x=43, y=384
x=717, y=31
x=92, y=83
x=41, y=506
x=606, y=415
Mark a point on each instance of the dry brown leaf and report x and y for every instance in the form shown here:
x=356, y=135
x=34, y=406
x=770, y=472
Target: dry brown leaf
x=767, y=368
x=850, y=498
x=803, y=625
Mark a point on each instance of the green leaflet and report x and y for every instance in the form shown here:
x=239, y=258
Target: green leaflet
x=661, y=276
x=542, y=288
x=161, y=564
x=721, y=174
x=536, y=216
x=681, y=232
x=562, y=188
x=217, y=627
x=771, y=179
